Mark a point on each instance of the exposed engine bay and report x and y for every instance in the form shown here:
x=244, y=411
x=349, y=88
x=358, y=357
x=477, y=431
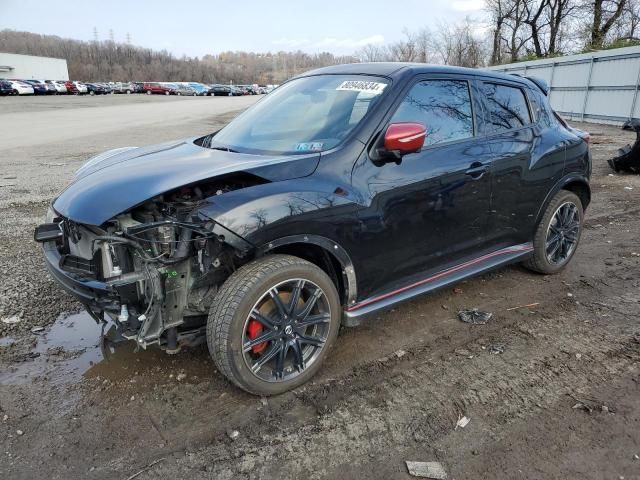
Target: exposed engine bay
x=162, y=263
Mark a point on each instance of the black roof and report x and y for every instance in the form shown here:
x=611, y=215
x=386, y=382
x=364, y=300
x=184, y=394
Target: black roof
x=394, y=69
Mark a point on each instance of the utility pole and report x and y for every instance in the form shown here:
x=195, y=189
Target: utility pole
x=95, y=34
x=128, y=38
x=111, y=35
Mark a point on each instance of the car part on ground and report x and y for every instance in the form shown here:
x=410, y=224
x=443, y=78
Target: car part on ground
x=627, y=158
x=325, y=202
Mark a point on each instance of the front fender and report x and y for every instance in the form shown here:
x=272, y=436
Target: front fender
x=262, y=213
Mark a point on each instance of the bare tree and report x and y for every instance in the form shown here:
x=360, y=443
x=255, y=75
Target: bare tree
x=605, y=14
x=372, y=53
x=457, y=44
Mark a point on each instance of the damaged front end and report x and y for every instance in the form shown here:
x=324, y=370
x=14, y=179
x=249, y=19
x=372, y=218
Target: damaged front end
x=153, y=270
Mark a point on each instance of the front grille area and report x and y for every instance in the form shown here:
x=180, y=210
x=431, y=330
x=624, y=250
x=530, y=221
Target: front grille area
x=72, y=263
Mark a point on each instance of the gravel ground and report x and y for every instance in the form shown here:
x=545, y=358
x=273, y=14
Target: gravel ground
x=552, y=390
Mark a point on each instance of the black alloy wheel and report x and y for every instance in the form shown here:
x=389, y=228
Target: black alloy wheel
x=562, y=234
x=272, y=323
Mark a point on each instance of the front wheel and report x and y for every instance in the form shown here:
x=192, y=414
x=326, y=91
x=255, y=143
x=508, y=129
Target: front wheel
x=558, y=233
x=272, y=324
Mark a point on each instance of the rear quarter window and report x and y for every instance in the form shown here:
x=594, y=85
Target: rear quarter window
x=507, y=107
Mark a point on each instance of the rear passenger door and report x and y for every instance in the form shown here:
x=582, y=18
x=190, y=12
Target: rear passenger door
x=509, y=135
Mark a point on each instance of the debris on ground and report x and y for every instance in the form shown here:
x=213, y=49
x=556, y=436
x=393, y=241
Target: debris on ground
x=433, y=470
x=147, y=467
x=233, y=434
x=474, y=316
x=628, y=157
x=181, y=376
x=497, y=348
x=523, y=306
x=589, y=405
x=11, y=320
x=37, y=329
x=462, y=422
x=400, y=353
x=583, y=406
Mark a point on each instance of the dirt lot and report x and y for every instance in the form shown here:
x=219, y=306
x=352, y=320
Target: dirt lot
x=393, y=388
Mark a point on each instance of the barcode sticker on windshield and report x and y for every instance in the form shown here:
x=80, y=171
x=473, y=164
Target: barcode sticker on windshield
x=309, y=147
x=374, y=88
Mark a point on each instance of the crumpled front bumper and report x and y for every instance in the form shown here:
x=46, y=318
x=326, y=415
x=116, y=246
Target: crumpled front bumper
x=90, y=292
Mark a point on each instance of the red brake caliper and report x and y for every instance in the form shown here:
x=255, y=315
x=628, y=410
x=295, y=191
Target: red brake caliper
x=254, y=329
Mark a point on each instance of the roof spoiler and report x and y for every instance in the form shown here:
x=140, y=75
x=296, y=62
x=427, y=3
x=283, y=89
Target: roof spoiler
x=537, y=81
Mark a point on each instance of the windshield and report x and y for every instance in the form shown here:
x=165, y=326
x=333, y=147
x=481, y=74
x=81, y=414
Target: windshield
x=309, y=114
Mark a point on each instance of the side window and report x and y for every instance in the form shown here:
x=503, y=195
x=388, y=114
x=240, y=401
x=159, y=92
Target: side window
x=443, y=106
x=507, y=107
x=541, y=111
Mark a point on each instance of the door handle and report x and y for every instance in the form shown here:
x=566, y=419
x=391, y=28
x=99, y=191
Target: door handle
x=476, y=170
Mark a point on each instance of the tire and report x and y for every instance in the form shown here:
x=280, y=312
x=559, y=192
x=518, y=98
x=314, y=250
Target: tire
x=148, y=92
x=540, y=261
x=230, y=318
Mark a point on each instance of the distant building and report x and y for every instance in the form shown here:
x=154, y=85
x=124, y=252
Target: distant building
x=30, y=67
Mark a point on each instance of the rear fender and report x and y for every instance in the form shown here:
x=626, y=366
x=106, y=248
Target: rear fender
x=566, y=181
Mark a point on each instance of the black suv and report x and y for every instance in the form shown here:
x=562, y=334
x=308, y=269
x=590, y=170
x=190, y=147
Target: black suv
x=345, y=190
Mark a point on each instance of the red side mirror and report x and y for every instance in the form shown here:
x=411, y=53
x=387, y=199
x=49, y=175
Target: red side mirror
x=405, y=137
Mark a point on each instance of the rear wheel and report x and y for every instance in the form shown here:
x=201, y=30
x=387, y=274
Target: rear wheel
x=272, y=324
x=558, y=234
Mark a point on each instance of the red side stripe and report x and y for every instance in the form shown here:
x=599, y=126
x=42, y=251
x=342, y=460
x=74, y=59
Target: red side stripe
x=444, y=273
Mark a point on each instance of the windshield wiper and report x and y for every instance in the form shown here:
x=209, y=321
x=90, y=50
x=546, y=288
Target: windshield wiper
x=224, y=149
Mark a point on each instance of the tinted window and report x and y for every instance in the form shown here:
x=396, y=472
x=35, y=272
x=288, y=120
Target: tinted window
x=507, y=107
x=540, y=109
x=443, y=106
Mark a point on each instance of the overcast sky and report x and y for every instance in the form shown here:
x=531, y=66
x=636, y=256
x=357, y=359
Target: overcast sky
x=197, y=27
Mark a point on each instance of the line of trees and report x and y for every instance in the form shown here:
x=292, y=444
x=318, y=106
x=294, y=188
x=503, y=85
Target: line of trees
x=511, y=30
x=111, y=61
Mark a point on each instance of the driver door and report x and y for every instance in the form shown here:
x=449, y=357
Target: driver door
x=430, y=211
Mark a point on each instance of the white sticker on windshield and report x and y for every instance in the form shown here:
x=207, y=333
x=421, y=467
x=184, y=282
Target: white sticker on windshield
x=309, y=147
x=374, y=88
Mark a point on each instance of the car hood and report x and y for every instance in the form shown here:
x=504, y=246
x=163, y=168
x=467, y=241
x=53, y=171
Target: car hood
x=118, y=180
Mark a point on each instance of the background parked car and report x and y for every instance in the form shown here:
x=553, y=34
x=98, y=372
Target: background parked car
x=21, y=88
x=219, y=91
x=5, y=87
x=96, y=89
x=180, y=89
x=58, y=86
x=138, y=87
x=123, y=87
x=199, y=88
x=80, y=87
x=38, y=88
x=157, y=88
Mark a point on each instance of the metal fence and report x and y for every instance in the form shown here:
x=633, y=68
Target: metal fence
x=597, y=87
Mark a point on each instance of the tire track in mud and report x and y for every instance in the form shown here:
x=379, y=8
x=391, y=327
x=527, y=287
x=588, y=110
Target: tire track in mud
x=417, y=401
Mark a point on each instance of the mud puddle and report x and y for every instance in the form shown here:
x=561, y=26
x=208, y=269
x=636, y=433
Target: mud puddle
x=71, y=349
